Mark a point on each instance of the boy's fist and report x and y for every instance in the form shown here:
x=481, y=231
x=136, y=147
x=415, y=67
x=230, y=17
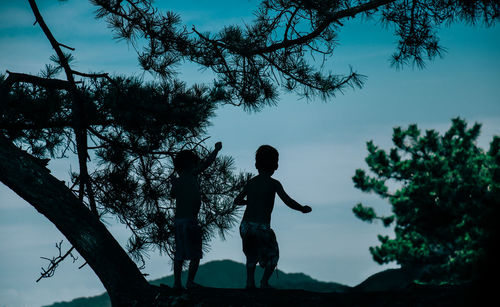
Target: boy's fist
x=306, y=209
x=218, y=146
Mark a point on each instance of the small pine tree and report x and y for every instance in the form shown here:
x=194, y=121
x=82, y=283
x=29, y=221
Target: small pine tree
x=443, y=206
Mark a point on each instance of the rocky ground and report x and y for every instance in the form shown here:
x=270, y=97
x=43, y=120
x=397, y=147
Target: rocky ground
x=414, y=296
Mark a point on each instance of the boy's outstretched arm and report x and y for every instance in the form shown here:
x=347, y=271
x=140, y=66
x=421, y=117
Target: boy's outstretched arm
x=289, y=201
x=209, y=159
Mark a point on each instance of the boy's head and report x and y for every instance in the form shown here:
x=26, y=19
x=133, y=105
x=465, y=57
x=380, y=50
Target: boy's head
x=185, y=160
x=266, y=159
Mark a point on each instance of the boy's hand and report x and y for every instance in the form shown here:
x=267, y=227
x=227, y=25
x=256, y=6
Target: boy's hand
x=306, y=209
x=218, y=146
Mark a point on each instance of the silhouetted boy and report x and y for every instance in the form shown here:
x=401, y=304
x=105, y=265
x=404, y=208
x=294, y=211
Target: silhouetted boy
x=259, y=240
x=186, y=191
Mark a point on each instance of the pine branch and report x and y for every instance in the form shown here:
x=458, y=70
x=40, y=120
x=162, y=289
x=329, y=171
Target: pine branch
x=55, y=261
x=78, y=110
x=332, y=18
x=14, y=77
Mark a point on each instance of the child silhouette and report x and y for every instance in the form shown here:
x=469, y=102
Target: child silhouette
x=186, y=192
x=259, y=240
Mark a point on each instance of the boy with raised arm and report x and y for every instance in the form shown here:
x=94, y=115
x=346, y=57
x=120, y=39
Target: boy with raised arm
x=186, y=192
x=259, y=240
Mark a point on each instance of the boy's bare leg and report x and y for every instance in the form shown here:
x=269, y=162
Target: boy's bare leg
x=251, y=275
x=268, y=271
x=177, y=274
x=193, y=268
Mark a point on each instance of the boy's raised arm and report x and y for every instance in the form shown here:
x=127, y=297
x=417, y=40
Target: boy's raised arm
x=209, y=159
x=289, y=201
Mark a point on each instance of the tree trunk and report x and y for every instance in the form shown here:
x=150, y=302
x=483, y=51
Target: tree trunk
x=34, y=183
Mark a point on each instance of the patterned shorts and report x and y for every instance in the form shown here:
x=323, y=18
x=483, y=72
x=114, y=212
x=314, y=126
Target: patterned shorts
x=259, y=244
x=187, y=240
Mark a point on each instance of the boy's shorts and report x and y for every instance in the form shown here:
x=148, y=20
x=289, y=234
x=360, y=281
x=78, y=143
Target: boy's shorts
x=187, y=240
x=259, y=244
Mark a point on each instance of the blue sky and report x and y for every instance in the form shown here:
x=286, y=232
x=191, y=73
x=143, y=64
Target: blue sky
x=321, y=143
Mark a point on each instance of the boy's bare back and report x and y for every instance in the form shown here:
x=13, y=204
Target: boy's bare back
x=186, y=191
x=185, y=188
x=261, y=191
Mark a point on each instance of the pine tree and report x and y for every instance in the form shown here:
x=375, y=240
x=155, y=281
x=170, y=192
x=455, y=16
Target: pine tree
x=447, y=195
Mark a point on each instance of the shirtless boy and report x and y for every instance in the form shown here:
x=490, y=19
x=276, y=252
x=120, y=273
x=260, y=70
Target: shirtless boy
x=259, y=240
x=186, y=191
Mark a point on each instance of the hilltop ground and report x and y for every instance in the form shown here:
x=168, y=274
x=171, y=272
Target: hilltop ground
x=423, y=296
x=387, y=288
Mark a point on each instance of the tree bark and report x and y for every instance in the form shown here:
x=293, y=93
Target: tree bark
x=50, y=196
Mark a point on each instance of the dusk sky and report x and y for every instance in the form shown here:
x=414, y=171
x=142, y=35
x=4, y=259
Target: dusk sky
x=321, y=143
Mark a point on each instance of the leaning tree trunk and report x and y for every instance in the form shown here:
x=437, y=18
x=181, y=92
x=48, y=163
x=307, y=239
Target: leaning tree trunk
x=34, y=183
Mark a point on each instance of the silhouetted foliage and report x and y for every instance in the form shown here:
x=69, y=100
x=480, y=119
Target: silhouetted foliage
x=447, y=191
x=280, y=46
x=135, y=129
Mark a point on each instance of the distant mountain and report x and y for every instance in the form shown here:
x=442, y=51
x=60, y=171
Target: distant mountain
x=388, y=280
x=224, y=274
